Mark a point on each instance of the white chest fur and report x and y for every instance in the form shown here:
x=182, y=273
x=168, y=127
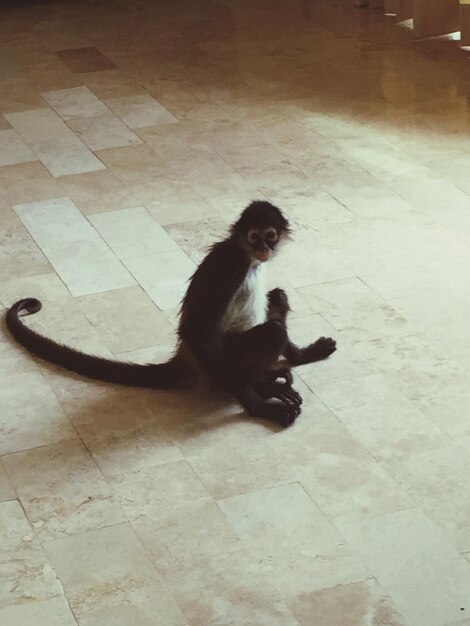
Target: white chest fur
x=247, y=307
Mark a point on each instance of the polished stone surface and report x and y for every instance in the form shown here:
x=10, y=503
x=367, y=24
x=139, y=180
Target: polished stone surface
x=131, y=136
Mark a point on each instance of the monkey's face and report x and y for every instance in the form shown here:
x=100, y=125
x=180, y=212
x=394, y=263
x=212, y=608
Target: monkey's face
x=262, y=242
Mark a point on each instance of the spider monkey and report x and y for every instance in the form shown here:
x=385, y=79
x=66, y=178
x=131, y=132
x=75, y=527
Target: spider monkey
x=228, y=330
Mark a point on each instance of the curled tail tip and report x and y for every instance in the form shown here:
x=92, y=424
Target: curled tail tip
x=31, y=305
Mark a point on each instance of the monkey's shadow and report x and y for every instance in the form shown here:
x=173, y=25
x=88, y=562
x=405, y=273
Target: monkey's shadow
x=121, y=422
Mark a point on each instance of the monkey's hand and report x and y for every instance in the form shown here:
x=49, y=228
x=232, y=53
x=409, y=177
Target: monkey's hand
x=320, y=349
x=317, y=351
x=278, y=305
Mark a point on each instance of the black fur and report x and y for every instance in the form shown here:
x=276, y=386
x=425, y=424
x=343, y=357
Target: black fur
x=242, y=363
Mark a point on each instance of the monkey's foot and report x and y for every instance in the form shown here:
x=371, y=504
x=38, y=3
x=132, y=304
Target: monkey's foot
x=279, y=391
x=278, y=305
x=282, y=414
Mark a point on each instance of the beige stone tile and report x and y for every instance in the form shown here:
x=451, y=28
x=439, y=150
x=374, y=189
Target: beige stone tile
x=51, y=612
x=133, y=232
x=4, y=125
x=238, y=468
x=112, y=83
x=227, y=589
x=121, y=584
x=59, y=314
x=416, y=367
x=299, y=570
x=130, y=432
x=347, y=303
x=435, y=479
x=113, y=314
x=19, y=254
x=27, y=575
x=103, y=132
x=148, y=490
x=41, y=184
x=195, y=237
x=96, y=191
x=184, y=533
x=303, y=264
x=164, y=276
x=344, y=364
x=31, y=415
x=140, y=111
x=62, y=490
x=134, y=165
x=75, y=102
x=86, y=59
x=88, y=267
x=397, y=548
x=361, y=603
x=7, y=491
x=57, y=219
x=171, y=201
x=13, y=149
x=281, y=516
x=340, y=476
x=404, y=280
x=378, y=416
x=370, y=200
x=53, y=143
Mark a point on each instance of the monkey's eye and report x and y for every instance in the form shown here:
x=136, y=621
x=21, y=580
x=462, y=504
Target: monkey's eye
x=252, y=236
x=271, y=234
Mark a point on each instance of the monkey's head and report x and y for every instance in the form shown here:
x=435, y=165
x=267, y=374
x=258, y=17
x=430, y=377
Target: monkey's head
x=260, y=229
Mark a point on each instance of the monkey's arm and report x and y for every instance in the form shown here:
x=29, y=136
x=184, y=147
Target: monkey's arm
x=278, y=308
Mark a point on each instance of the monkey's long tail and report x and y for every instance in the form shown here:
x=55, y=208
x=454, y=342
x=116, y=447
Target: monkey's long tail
x=153, y=376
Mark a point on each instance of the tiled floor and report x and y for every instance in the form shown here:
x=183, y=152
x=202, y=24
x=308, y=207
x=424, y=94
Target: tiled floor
x=131, y=134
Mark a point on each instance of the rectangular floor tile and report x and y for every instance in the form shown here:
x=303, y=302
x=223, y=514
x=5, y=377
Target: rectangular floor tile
x=182, y=534
x=133, y=233
x=346, y=303
x=88, y=59
x=31, y=415
x=283, y=515
x=51, y=612
x=51, y=220
x=13, y=149
x=75, y=102
x=404, y=547
x=25, y=572
x=130, y=434
x=140, y=111
x=62, y=490
x=88, y=266
x=7, y=491
x=163, y=276
x=57, y=147
x=227, y=590
x=121, y=585
x=361, y=603
x=103, y=132
x=113, y=313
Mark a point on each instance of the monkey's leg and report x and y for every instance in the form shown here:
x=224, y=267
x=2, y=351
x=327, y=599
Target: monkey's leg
x=252, y=355
x=278, y=308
